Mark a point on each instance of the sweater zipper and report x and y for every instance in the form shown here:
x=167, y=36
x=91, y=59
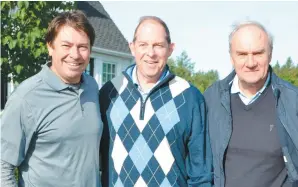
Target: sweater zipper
x=143, y=104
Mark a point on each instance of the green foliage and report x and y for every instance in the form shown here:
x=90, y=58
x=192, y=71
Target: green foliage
x=288, y=71
x=203, y=80
x=23, y=28
x=16, y=172
x=184, y=67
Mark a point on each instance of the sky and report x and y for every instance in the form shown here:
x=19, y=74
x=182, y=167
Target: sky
x=201, y=28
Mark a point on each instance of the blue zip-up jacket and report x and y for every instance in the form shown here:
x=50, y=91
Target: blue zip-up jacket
x=219, y=120
x=159, y=141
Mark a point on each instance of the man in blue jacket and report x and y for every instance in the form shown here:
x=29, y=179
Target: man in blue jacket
x=253, y=117
x=154, y=122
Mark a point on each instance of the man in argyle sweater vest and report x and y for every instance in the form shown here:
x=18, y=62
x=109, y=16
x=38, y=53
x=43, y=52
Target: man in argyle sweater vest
x=154, y=122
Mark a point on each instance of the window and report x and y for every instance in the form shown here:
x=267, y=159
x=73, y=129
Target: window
x=108, y=72
x=90, y=68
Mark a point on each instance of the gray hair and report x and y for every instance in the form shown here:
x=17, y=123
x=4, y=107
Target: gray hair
x=238, y=26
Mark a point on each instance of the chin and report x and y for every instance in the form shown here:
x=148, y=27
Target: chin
x=152, y=74
x=252, y=82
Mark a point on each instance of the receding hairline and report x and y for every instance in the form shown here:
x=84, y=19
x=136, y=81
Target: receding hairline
x=239, y=26
x=153, y=19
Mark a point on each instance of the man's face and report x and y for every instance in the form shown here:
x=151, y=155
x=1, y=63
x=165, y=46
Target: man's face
x=250, y=55
x=151, y=50
x=70, y=53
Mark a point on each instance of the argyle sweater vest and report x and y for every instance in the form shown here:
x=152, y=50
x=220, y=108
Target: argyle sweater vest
x=145, y=143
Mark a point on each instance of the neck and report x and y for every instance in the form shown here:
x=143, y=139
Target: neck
x=146, y=83
x=74, y=81
x=249, y=90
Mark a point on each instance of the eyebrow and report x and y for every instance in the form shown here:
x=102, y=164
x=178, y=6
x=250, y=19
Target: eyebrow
x=156, y=43
x=80, y=44
x=253, y=52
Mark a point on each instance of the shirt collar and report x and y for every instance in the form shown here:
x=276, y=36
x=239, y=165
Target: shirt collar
x=54, y=81
x=235, y=86
x=134, y=77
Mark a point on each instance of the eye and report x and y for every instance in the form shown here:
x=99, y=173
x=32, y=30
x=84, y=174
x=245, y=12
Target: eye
x=83, y=48
x=65, y=45
x=142, y=44
x=259, y=53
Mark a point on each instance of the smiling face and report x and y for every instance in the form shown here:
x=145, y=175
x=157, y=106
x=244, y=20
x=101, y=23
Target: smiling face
x=70, y=52
x=151, y=50
x=250, y=55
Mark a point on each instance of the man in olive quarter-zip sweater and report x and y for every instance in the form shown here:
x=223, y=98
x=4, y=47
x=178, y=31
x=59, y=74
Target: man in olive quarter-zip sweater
x=154, y=122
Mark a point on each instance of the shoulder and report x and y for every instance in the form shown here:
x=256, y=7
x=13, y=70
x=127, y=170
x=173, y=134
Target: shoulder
x=25, y=88
x=18, y=100
x=288, y=91
x=92, y=84
x=118, y=83
x=212, y=90
x=285, y=85
x=179, y=86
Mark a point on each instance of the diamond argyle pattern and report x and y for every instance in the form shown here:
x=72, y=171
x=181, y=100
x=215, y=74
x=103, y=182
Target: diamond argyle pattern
x=141, y=150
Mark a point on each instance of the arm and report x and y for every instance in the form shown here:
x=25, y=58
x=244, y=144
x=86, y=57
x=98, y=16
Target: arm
x=8, y=178
x=15, y=137
x=104, y=143
x=199, y=158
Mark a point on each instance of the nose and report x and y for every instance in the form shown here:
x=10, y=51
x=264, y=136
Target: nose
x=251, y=62
x=74, y=53
x=150, y=51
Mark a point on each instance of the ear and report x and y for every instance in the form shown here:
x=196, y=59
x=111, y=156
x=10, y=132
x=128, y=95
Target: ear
x=270, y=57
x=171, y=48
x=50, y=49
x=132, y=48
x=232, y=61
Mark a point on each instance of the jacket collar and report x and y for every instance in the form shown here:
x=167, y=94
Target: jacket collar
x=225, y=86
x=225, y=83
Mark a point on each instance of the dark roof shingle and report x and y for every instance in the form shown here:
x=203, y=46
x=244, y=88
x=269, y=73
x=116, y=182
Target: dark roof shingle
x=108, y=36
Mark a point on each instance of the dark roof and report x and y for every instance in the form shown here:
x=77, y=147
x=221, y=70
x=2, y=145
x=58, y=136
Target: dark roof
x=108, y=36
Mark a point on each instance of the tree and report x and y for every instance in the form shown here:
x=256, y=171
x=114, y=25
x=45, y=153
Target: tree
x=184, y=67
x=23, y=27
x=288, y=71
x=202, y=80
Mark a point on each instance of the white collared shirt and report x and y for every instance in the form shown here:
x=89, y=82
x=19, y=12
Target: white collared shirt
x=136, y=81
x=246, y=100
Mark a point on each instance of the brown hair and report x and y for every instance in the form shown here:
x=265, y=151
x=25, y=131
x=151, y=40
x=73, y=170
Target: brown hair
x=75, y=19
x=158, y=20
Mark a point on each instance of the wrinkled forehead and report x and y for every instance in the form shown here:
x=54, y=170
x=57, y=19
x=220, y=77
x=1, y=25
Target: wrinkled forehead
x=150, y=28
x=249, y=37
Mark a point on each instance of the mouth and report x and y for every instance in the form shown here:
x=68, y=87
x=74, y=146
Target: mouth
x=151, y=62
x=74, y=64
x=252, y=71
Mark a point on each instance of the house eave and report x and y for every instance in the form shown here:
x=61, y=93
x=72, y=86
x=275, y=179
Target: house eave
x=111, y=52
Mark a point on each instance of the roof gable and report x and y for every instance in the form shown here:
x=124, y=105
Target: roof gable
x=108, y=36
